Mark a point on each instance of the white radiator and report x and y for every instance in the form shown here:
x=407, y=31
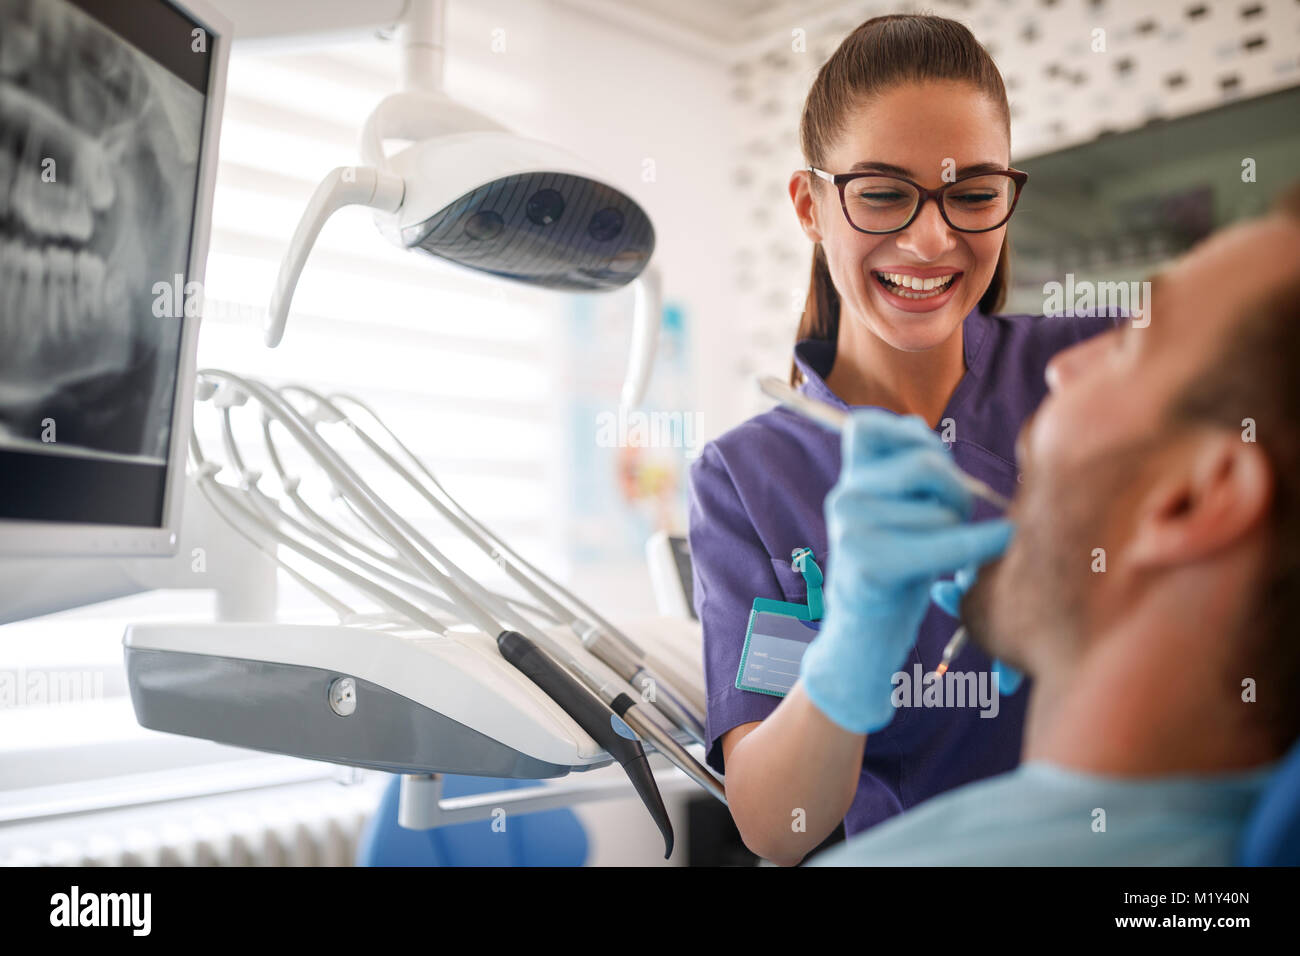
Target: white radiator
x=299, y=825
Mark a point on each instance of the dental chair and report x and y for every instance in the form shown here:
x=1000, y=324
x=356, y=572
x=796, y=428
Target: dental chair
x=1272, y=835
x=546, y=838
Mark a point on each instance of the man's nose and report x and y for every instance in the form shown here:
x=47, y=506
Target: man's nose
x=928, y=237
x=1067, y=363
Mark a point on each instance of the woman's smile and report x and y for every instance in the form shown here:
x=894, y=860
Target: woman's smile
x=917, y=290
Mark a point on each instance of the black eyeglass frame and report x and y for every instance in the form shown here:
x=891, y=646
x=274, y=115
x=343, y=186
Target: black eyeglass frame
x=840, y=180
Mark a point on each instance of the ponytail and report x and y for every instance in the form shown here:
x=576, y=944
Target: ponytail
x=821, y=317
x=995, y=296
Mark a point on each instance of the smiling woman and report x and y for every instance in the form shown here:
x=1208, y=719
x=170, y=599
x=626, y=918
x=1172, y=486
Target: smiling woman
x=905, y=195
x=919, y=206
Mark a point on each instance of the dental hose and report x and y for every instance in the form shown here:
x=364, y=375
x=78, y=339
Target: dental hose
x=583, y=703
x=598, y=635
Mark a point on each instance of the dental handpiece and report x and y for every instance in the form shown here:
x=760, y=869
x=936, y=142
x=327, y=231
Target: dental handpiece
x=609, y=731
x=836, y=418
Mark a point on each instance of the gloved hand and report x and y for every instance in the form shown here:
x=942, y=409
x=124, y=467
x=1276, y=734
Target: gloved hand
x=894, y=524
x=948, y=595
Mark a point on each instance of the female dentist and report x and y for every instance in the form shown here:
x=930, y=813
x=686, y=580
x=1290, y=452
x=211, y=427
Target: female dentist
x=906, y=196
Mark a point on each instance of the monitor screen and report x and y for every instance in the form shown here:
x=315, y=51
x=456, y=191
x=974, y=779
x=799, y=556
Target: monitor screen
x=102, y=119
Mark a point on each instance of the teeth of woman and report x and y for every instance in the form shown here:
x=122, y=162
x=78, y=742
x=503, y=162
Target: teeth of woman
x=916, y=283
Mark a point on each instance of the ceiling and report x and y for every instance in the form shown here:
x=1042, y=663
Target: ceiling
x=725, y=29
x=711, y=26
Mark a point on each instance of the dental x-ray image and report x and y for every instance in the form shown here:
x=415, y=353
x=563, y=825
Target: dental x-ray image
x=99, y=154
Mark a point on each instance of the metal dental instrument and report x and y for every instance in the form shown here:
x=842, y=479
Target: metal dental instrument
x=952, y=649
x=835, y=419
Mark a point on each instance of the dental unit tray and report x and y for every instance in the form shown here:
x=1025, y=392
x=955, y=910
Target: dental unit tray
x=444, y=674
x=381, y=697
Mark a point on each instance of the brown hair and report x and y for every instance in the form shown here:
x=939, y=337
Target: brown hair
x=1253, y=376
x=880, y=53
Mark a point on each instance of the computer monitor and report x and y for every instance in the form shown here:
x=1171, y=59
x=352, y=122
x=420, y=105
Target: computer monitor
x=109, y=118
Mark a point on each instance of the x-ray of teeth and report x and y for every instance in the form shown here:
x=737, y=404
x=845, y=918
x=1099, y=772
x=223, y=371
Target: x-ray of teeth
x=98, y=173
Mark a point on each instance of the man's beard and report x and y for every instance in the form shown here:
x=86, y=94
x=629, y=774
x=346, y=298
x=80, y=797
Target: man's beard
x=1041, y=585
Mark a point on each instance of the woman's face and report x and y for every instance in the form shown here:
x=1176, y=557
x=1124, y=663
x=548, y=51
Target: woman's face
x=921, y=130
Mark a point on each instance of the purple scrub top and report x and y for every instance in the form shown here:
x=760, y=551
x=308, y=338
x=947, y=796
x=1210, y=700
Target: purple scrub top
x=757, y=493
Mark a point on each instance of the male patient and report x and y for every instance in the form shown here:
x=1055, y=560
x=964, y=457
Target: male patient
x=1164, y=685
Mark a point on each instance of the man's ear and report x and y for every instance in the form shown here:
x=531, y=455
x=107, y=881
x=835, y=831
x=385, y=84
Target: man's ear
x=1208, y=498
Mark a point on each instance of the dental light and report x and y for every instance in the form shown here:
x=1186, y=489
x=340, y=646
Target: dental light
x=471, y=192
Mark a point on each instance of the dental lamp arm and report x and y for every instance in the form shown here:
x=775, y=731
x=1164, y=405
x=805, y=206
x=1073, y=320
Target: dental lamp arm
x=645, y=337
x=344, y=186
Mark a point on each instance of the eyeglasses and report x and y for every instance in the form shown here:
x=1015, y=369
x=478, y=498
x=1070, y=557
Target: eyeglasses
x=880, y=204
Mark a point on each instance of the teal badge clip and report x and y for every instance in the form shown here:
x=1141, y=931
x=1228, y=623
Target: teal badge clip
x=779, y=632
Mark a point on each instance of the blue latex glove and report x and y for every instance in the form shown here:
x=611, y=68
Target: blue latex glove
x=895, y=524
x=948, y=595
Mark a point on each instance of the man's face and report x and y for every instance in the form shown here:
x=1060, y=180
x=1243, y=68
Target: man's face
x=1089, y=453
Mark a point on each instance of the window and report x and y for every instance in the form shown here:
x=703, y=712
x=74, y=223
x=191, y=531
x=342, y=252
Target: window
x=467, y=372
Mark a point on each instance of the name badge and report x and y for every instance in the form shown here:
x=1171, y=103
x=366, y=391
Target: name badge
x=778, y=634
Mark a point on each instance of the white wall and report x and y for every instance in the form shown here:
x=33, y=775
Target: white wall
x=655, y=119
